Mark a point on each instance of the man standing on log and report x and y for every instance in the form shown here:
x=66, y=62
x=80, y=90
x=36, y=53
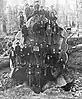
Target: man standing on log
x=25, y=32
x=12, y=56
x=25, y=53
x=21, y=19
x=17, y=51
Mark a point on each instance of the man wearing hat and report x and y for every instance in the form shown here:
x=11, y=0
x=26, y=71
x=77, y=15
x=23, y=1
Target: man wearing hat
x=12, y=56
x=55, y=57
x=48, y=32
x=53, y=10
x=30, y=74
x=69, y=30
x=24, y=50
x=17, y=51
x=42, y=28
x=36, y=50
x=36, y=26
x=21, y=19
x=48, y=54
x=17, y=48
x=47, y=13
x=37, y=76
x=27, y=10
x=36, y=8
x=25, y=32
x=42, y=53
x=29, y=53
x=53, y=17
x=31, y=11
x=42, y=11
x=36, y=3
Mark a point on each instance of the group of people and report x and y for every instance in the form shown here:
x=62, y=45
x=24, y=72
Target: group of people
x=31, y=10
x=42, y=25
x=33, y=54
x=43, y=56
x=37, y=61
x=37, y=10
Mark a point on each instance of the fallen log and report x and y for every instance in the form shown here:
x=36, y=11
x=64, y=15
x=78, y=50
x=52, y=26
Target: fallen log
x=74, y=49
x=4, y=62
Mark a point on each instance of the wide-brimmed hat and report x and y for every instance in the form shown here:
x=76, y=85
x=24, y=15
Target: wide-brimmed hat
x=41, y=6
x=31, y=5
x=20, y=12
x=69, y=28
x=36, y=1
x=17, y=43
x=52, y=5
x=26, y=4
x=12, y=47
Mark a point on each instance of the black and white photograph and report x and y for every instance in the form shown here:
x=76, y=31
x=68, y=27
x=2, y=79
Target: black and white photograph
x=40, y=49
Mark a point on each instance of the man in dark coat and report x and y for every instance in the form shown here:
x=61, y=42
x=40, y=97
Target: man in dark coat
x=53, y=17
x=42, y=54
x=27, y=10
x=21, y=19
x=12, y=56
x=42, y=11
x=17, y=51
x=48, y=55
x=48, y=32
x=36, y=8
x=37, y=78
x=36, y=28
x=36, y=50
x=47, y=13
x=48, y=49
x=25, y=32
x=55, y=58
x=30, y=75
x=24, y=50
x=29, y=53
x=42, y=28
x=17, y=48
x=31, y=10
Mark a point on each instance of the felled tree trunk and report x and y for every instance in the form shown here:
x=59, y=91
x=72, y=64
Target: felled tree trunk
x=4, y=63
